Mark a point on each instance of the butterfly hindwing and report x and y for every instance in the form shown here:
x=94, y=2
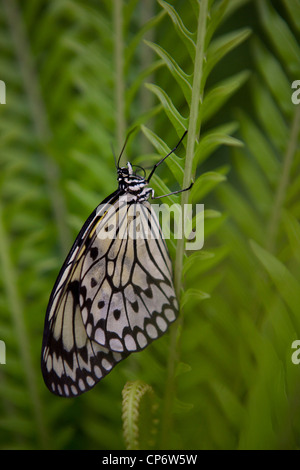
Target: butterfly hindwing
x=127, y=295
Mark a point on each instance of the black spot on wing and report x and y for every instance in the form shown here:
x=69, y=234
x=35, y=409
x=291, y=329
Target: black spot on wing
x=149, y=293
x=94, y=253
x=83, y=291
x=74, y=288
x=117, y=314
x=135, y=306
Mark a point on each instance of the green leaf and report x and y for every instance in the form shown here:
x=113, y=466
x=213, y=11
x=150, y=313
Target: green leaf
x=217, y=16
x=242, y=212
x=260, y=147
x=222, y=46
x=270, y=116
x=286, y=284
x=281, y=36
x=231, y=406
x=210, y=142
x=206, y=183
x=194, y=295
x=274, y=76
x=179, y=122
x=292, y=227
x=293, y=9
x=195, y=257
x=185, y=35
x=139, y=80
x=135, y=41
x=254, y=181
x=183, y=80
x=217, y=96
x=182, y=368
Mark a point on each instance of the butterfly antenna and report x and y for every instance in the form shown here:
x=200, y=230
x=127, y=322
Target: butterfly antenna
x=125, y=143
x=140, y=168
x=163, y=159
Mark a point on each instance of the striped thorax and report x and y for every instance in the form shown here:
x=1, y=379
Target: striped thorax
x=130, y=182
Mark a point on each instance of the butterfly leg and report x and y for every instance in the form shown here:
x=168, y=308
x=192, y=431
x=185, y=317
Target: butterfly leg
x=174, y=192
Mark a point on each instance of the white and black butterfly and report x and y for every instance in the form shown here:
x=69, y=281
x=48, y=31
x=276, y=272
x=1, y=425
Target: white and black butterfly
x=114, y=294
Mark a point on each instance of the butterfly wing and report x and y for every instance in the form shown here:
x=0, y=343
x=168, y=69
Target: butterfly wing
x=127, y=295
x=71, y=362
x=113, y=296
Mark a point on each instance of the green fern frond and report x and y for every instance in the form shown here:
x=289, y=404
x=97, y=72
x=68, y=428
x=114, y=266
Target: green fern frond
x=264, y=289
x=134, y=425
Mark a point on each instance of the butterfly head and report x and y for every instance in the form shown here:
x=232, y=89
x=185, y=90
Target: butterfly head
x=132, y=183
x=125, y=171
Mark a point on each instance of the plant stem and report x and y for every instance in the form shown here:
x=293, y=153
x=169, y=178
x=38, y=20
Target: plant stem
x=119, y=71
x=147, y=11
x=39, y=118
x=192, y=136
x=193, y=132
x=284, y=181
x=22, y=339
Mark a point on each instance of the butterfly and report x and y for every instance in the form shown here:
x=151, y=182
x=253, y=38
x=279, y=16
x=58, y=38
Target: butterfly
x=114, y=293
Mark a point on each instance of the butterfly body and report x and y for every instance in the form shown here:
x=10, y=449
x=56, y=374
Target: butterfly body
x=114, y=294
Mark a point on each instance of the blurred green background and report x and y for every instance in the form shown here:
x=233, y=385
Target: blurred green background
x=79, y=74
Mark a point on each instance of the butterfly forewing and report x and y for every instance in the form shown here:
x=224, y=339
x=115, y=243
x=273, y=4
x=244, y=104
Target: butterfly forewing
x=114, y=294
